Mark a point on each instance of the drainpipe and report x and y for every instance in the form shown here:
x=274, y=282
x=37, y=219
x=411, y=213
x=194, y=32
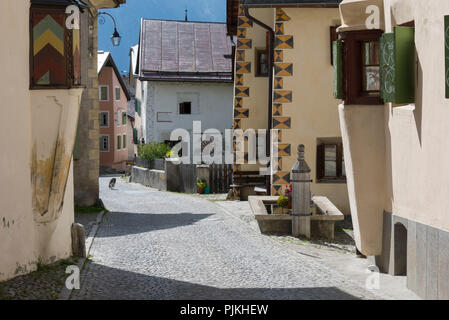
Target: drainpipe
x=270, y=80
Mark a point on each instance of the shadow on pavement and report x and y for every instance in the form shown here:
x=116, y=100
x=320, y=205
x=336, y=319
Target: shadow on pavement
x=126, y=223
x=104, y=283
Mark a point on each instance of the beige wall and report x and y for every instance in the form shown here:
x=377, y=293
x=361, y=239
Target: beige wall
x=419, y=144
x=410, y=140
x=26, y=235
x=312, y=111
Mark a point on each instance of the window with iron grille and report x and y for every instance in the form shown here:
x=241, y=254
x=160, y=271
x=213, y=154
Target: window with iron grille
x=104, y=143
x=104, y=119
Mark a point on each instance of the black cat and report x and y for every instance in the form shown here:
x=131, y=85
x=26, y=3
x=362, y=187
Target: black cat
x=112, y=183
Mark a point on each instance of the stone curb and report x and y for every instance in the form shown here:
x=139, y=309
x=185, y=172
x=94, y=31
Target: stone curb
x=65, y=293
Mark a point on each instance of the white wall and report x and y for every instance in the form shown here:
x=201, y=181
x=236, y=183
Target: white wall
x=212, y=103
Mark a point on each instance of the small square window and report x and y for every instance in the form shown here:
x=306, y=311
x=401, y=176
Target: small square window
x=104, y=119
x=104, y=93
x=117, y=93
x=261, y=63
x=185, y=108
x=104, y=143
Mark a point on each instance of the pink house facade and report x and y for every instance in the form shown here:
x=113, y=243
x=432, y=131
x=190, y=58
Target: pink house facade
x=114, y=121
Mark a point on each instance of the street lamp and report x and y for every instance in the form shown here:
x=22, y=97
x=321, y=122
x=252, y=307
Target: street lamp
x=116, y=38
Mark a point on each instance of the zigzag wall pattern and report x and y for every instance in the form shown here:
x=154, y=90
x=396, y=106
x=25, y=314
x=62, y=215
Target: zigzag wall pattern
x=281, y=96
x=49, y=62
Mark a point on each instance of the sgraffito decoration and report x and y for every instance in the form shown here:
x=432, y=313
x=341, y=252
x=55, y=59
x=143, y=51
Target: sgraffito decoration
x=55, y=49
x=398, y=66
x=76, y=47
x=280, y=97
x=387, y=67
x=49, y=62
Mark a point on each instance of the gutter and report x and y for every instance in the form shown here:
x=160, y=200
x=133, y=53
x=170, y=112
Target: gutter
x=270, y=79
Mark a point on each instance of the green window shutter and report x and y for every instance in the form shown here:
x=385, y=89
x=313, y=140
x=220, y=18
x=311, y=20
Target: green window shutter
x=405, y=64
x=124, y=141
x=337, y=52
x=117, y=94
x=446, y=36
x=387, y=67
x=135, y=136
x=398, y=66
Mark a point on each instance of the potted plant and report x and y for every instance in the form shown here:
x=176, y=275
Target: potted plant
x=202, y=185
x=289, y=195
x=283, y=203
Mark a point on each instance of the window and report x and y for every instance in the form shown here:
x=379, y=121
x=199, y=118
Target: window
x=104, y=119
x=124, y=118
x=124, y=141
x=104, y=143
x=330, y=162
x=185, y=107
x=119, y=142
x=261, y=63
x=104, y=93
x=370, y=68
x=118, y=118
x=360, y=70
x=55, y=52
x=117, y=93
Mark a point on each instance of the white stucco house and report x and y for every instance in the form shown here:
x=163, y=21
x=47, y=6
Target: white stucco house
x=184, y=73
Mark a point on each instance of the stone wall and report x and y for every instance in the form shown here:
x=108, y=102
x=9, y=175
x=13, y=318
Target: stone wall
x=420, y=252
x=87, y=159
x=150, y=178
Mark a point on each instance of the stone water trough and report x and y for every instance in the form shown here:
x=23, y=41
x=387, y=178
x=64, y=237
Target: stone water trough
x=322, y=221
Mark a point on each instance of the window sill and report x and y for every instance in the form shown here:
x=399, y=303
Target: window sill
x=331, y=181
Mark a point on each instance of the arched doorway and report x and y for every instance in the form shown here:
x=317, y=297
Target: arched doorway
x=400, y=250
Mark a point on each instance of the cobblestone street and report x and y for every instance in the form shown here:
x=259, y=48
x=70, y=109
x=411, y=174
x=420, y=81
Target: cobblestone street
x=159, y=245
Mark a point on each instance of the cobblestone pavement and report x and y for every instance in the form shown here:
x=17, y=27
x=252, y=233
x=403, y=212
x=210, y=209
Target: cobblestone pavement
x=43, y=284
x=161, y=245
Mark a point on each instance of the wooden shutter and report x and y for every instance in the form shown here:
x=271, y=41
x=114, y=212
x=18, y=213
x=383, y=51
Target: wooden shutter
x=135, y=136
x=337, y=49
x=446, y=37
x=398, y=66
x=320, y=162
x=333, y=37
x=387, y=67
x=405, y=64
x=55, y=52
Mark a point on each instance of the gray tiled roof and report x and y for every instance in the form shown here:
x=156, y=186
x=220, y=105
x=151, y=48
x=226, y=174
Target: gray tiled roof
x=178, y=50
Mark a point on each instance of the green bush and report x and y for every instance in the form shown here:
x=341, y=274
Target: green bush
x=154, y=150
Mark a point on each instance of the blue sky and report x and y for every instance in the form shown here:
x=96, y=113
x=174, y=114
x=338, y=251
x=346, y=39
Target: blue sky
x=128, y=21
